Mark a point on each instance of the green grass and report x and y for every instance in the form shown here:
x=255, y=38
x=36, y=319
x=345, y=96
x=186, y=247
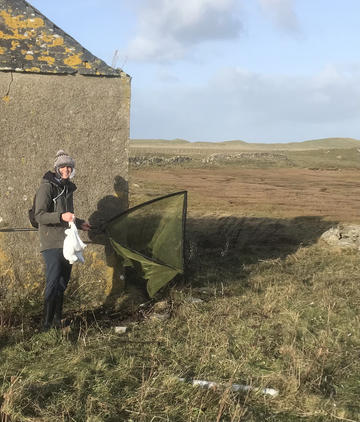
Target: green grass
x=278, y=309
x=331, y=158
x=290, y=323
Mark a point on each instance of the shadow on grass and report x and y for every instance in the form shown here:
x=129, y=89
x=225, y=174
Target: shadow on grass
x=219, y=248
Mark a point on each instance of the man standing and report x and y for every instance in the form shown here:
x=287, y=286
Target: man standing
x=54, y=209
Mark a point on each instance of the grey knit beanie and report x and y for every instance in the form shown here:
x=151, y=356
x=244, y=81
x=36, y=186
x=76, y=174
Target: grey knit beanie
x=63, y=160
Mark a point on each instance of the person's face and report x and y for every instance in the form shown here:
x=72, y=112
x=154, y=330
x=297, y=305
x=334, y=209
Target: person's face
x=65, y=172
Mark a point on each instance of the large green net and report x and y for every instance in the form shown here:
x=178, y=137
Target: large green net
x=150, y=238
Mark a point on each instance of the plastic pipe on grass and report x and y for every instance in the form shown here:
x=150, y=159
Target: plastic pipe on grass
x=234, y=387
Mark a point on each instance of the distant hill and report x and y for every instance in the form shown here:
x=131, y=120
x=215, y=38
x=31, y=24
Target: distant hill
x=159, y=141
x=327, y=143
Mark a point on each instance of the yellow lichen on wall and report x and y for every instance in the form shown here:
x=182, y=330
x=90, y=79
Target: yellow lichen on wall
x=14, y=44
x=33, y=69
x=14, y=36
x=14, y=23
x=50, y=39
x=18, y=22
x=48, y=59
x=74, y=60
x=16, y=26
x=37, y=38
x=57, y=41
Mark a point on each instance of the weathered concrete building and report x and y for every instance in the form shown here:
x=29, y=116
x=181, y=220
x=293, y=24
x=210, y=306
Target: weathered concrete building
x=54, y=94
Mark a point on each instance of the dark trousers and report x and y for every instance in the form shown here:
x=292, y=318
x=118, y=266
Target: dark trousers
x=58, y=271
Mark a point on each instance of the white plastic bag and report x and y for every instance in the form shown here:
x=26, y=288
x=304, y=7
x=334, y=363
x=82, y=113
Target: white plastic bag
x=73, y=245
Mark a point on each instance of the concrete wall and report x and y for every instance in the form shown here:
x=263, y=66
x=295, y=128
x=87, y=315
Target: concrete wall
x=86, y=116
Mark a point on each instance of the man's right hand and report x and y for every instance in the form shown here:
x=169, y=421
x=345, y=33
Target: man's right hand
x=68, y=217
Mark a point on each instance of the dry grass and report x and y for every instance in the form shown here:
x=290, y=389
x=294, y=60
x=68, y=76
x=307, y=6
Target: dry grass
x=281, y=193
x=277, y=310
x=288, y=323
x=316, y=144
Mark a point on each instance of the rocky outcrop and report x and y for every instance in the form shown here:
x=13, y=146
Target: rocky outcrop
x=141, y=161
x=245, y=157
x=343, y=236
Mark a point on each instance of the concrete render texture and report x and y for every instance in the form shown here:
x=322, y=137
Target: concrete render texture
x=88, y=117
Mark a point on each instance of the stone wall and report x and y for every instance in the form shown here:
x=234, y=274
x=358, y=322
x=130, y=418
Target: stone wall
x=86, y=116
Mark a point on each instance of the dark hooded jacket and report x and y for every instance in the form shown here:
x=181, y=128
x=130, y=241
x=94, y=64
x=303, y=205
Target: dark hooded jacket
x=53, y=198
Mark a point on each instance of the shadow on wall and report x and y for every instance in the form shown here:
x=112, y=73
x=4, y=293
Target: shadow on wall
x=107, y=208
x=217, y=248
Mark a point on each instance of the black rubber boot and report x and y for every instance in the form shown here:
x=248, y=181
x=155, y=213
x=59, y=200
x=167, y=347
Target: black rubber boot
x=58, y=310
x=49, y=311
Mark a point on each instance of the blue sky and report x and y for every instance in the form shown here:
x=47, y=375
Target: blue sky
x=214, y=70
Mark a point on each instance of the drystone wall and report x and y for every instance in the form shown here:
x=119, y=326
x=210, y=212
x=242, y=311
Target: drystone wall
x=88, y=117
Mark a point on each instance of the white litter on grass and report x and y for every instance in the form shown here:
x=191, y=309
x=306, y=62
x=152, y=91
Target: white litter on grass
x=120, y=330
x=234, y=387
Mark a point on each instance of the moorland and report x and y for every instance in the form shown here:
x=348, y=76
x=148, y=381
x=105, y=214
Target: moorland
x=264, y=302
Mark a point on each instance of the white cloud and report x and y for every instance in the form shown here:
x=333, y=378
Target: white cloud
x=168, y=28
x=238, y=104
x=282, y=12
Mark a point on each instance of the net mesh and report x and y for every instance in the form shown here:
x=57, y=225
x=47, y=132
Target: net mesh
x=152, y=236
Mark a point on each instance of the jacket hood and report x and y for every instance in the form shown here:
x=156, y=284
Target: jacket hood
x=50, y=177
